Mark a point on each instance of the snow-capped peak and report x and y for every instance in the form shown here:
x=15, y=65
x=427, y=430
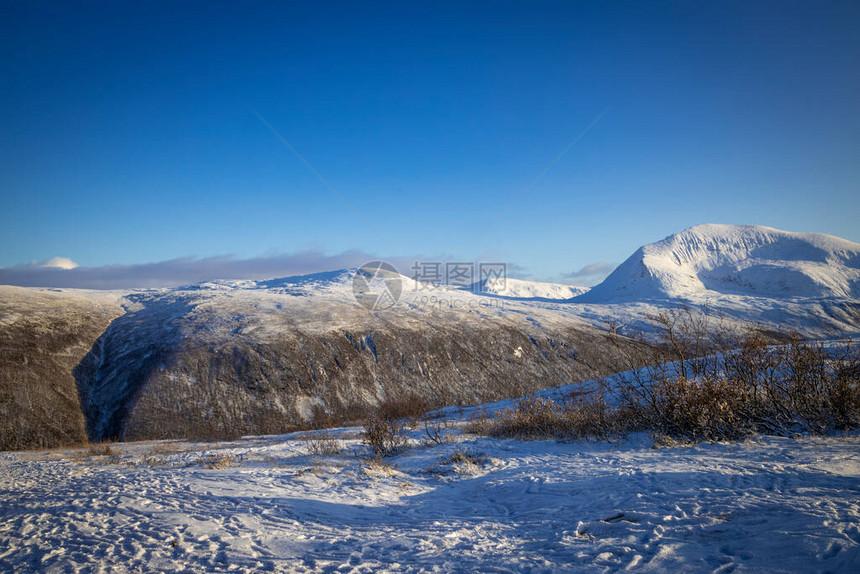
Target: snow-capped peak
x=736, y=259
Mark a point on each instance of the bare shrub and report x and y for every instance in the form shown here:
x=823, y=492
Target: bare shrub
x=376, y=467
x=165, y=448
x=749, y=382
x=687, y=338
x=322, y=444
x=704, y=382
x=844, y=392
x=434, y=430
x=383, y=435
x=462, y=462
x=479, y=424
x=218, y=461
x=707, y=409
x=541, y=418
x=531, y=418
x=406, y=406
x=461, y=456
x=100, y=449
x=154, y=460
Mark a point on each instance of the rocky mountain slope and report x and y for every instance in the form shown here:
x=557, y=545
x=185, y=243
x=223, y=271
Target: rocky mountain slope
x=44, y=335
x=237, y=357
x=223, y=359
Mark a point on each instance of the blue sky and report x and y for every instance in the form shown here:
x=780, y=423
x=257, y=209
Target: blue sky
x=128, y=132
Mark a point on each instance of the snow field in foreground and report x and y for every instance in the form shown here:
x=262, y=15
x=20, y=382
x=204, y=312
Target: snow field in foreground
x=265, y=504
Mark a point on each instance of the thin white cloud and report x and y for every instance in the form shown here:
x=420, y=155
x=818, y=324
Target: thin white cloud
x=59, y=263
x=592, y=273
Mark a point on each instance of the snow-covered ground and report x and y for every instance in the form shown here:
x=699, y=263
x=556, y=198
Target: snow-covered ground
x=265, y=504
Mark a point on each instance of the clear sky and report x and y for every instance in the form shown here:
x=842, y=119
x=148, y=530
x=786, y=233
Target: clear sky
x=128, y=131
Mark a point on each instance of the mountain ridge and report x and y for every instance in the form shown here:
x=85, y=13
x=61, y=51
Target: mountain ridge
x=749, y=260
x=228, y=357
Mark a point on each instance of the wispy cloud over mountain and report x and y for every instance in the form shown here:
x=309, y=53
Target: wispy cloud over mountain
x=592, y=273
x=63, y=272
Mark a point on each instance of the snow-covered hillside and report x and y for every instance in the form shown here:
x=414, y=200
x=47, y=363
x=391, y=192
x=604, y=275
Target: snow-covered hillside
x=522, y=289
x=746, y=260
x=255, y=356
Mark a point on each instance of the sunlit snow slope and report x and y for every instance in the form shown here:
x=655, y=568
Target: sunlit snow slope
x=522, y=289
x=747, y=260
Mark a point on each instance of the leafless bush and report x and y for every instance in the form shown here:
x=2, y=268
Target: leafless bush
x=153, y=460
x=100, y=449
x=463, y=462
x=434, y=430
x=322, y=444
x=384, y=427
x=705, y=382
x=406, y=406
x=165, y=448
x=479, y=424
x=383, y=435
x=706, y=409
x=844, y=392
x=217, y=461
x=541, y=418
x=746, y=383
x=461, y=456
x=376, y=467
x=687, y=338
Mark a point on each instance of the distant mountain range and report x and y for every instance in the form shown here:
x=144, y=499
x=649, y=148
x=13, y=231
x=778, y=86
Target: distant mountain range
x=246, y=357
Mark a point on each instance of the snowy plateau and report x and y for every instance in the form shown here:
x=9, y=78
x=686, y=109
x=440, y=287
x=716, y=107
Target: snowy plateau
x=157, y=369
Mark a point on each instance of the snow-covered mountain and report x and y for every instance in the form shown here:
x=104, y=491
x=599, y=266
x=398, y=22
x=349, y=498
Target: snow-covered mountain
x=240, y=357
x=223, y=357
x=750, y=260
x=522, y=289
